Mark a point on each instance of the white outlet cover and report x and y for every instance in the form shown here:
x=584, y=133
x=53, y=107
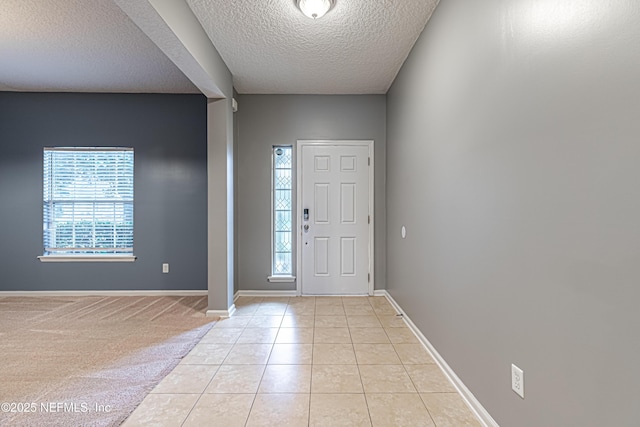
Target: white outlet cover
x=165, y=267
x=403, y=232
x=517, y=380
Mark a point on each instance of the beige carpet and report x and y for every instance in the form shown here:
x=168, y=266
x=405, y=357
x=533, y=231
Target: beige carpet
x=90, y=360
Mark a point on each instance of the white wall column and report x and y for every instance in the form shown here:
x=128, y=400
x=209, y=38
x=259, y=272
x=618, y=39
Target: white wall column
x=220, y=206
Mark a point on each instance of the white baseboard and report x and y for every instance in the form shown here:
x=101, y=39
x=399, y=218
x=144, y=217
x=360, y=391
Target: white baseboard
x=245, y=293
x=466, y=394
x=223, y=314
x=156, y=293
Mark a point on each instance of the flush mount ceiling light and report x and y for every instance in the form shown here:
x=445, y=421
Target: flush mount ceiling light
x=315, y=8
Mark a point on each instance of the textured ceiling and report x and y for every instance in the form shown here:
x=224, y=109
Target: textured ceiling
x=80, y=46
x=271, y=47
x=268, y=45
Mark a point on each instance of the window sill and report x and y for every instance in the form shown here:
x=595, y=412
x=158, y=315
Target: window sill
x=87, y=258
x=281, y=279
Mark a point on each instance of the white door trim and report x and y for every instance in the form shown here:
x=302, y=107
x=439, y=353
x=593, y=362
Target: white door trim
x=298, y=213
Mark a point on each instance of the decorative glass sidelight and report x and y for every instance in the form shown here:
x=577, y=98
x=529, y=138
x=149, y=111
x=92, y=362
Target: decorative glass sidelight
x=282, y=216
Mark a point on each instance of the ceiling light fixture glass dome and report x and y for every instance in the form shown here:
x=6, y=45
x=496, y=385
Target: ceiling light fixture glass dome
x=315, y=8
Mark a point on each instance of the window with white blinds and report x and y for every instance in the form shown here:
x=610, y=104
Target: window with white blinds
x=88, y=201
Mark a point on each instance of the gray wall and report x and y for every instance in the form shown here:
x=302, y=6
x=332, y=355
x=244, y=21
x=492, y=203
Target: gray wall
x=513, y=161
x=267, y=120
x=169, y=135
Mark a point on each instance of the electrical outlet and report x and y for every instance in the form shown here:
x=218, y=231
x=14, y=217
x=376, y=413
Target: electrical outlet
x=517, y=380
x=165, y=267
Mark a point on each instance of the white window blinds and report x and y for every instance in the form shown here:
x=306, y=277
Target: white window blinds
x=88, y=201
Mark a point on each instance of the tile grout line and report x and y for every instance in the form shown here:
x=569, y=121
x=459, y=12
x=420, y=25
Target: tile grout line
x=255, y=396
x=243, y=328
x=196, y=403
x=417, y=391
x=312, y=351
x=366, y=401
x=407, y=372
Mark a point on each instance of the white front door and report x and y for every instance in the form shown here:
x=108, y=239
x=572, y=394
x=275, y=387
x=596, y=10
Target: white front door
x=335, y=217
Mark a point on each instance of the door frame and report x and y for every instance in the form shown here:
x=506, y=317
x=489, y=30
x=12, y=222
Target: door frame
x=298, y=226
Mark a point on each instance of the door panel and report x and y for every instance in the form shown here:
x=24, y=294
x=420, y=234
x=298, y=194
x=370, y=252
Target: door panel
x=322, y=163
x=348, y=203
x=348, y=256
x=348, y=163
x=321, y=245
x=321, y=205
x=334, y=186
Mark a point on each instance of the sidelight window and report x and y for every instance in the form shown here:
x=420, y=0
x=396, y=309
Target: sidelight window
x=282, y=212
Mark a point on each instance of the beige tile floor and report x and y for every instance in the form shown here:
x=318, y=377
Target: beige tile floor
x=306, y=361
